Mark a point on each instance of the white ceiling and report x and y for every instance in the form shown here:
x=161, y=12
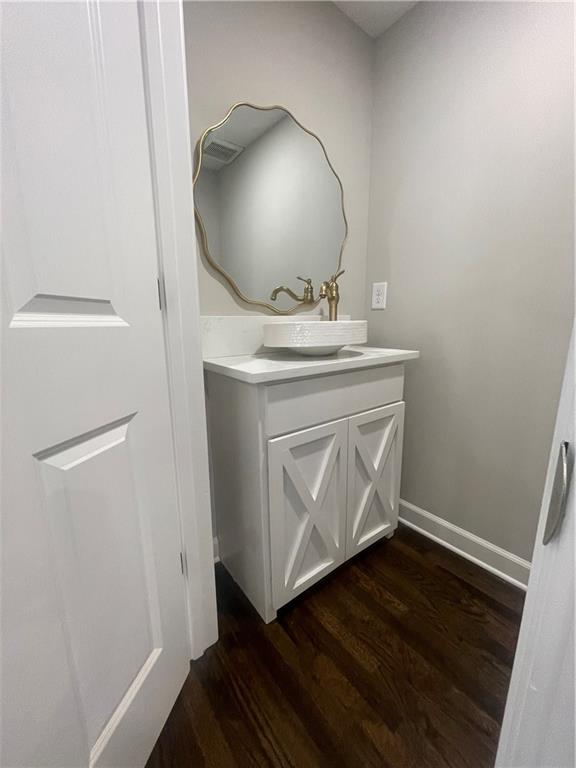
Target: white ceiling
x=247, y=124
x=374, y=17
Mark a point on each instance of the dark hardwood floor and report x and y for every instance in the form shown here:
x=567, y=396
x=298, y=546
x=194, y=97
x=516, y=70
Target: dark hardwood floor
x=400, y=658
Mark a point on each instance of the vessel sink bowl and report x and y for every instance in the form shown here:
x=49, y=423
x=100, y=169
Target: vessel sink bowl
x=323, y=337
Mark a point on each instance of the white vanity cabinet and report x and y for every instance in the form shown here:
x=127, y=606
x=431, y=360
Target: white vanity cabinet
x=305, y=469
x=333, y=490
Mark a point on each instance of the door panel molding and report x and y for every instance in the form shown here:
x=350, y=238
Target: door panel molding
x=47, y=311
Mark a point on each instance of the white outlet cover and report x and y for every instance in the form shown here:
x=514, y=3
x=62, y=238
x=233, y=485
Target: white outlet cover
x=379, y=295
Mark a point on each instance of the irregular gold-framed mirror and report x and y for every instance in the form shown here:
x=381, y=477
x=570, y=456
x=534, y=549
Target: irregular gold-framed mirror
x=269, y=207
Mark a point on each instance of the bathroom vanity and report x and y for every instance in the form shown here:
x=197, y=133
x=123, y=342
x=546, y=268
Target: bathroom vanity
x=306, y=459
x=306, y=448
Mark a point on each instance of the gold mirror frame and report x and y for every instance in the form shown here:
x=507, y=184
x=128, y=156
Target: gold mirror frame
x=202, y=230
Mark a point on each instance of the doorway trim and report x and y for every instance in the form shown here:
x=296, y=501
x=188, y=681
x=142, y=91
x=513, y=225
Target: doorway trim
x=165, y=88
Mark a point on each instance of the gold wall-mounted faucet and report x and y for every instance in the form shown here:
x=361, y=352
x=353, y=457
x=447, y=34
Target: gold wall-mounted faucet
x=306, y=298
x=329, y=290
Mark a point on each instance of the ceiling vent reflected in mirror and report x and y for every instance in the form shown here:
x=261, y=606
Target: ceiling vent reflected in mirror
x=221, y=152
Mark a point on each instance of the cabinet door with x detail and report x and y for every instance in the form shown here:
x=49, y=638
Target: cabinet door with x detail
x=374, y=463
x=307, y=475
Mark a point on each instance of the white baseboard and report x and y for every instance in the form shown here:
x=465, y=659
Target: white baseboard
x=502, y=563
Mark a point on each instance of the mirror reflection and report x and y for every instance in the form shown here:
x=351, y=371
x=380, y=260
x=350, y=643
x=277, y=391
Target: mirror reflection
x=269, y=207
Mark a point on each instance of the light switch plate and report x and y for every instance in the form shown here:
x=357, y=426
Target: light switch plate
x=379, y=293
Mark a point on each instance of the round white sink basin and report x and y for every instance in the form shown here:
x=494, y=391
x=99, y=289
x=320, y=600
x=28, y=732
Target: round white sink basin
x=323, y=337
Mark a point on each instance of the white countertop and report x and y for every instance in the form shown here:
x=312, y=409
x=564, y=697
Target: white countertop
x=281, y=366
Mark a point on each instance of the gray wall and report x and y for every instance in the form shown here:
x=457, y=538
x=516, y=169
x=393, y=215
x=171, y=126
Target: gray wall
x=471, y=223
x=310, y=58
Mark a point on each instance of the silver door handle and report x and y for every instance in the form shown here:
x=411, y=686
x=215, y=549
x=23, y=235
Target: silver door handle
x=559, y=496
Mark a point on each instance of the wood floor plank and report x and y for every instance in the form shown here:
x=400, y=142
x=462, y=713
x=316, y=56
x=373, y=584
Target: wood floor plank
x=451, y=609
x=469, y=572
x=477, y=610
x=389, y=688
x=433, y=687
x=400, y=659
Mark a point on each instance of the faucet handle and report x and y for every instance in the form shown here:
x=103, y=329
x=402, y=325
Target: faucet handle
x=308, y=297
x=337, y=275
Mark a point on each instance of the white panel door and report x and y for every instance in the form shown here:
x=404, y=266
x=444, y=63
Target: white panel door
x=94, y=644
x=538, y=726
x=307, y=476
x=374, y=466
